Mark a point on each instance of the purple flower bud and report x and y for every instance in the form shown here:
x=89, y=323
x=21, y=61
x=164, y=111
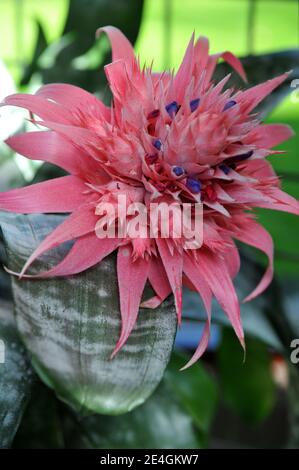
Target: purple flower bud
x=194, y=104
x=229, y=105
x=193, y=185
x=172, y=108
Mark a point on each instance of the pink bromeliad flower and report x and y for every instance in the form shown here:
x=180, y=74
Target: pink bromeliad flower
x=165, y=138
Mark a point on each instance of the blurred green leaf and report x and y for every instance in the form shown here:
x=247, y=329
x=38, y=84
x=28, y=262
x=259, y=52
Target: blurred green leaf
x=10, y=174
x=247, y=386
x=41, y=426
x=16, y=376
x=78, y=40
x=260, y=68
x=71, y=326
x=85, y=16
x=47, y=172
x=161, y=423
x=195, y=389
x=40, y=46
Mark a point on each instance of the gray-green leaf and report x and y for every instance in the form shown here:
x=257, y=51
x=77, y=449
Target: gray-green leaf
x=71, y=326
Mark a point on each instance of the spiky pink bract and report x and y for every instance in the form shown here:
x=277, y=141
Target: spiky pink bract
x=165, y=138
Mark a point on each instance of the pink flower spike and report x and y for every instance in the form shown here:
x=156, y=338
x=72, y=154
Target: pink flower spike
x=174, y=139
x=73, y=97
x=159, y=282
x=132, y=276
x=86, y=252
x=63, y=194
x=173, y=265
x=59, y=151
x=78, y=224
x=270, y=135
x=184, y=74
x=192, y=272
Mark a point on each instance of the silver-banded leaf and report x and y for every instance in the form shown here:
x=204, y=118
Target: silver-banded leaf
x=71, y=326
x=16, y=376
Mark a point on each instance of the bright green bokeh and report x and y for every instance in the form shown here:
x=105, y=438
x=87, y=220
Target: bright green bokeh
x=285, y=227
x=223, y=21
x=18, y=27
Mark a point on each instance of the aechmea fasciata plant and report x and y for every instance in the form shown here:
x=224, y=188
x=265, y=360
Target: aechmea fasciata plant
x=171, y=138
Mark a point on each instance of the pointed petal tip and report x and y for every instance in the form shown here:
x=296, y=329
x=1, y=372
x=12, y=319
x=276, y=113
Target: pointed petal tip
x=20, y=276
x=179, y=306
x=247, y=299
x=244, y=356
x=120, y=45
x=13, y=273
x=151, y=303
x=291, y=131
x=117, y=348
x=189, y=364
x=119, y=345
x=113, y=354
x=104, y=29
x=200, y=350
x=9, y=271
x=235, y=63
x=25, y=267
x=242, y=342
